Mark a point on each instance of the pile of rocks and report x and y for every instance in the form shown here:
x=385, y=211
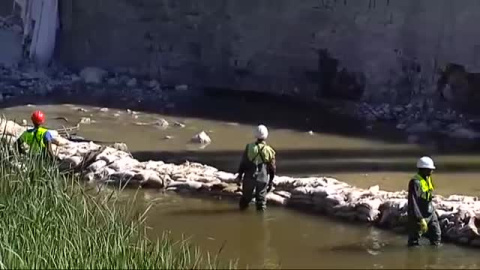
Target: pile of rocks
x=25, y=80
x=458, y=215
x=415, y=118
x=6, y=23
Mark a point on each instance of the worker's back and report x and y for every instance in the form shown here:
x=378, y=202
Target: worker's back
x=35, y=138
x=259, y=156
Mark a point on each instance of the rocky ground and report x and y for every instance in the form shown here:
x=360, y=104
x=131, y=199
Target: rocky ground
x=458, y=215
x=415, y=118
x=418, y=117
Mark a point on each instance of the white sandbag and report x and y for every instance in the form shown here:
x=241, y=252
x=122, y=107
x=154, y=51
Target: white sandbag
x=73, y=161
x=365, y=206
x=371, y=216
x=185, y=185
x=322, y=192
x=333, y=200
x=154, y=181
x=282, y=193
x=276, y=199
x=97, y=165
x=302, y=191
x=225, y=177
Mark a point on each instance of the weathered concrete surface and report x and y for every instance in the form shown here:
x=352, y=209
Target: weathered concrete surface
x=388, y=48
x=10, y=47
x=6, y=8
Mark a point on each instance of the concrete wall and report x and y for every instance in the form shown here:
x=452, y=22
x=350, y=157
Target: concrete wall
x=10, y=47
x=6, y=7
x=387, y=48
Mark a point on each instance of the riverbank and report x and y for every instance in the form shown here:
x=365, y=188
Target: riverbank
x=93, y=86
x=48, y=220
x=326, y=196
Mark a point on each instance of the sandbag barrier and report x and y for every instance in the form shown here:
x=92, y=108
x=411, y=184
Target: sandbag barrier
x=458, y=215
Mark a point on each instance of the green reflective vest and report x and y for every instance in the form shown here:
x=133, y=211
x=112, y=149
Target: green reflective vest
x=259, y=153
x=35, y=139
x=427, y=187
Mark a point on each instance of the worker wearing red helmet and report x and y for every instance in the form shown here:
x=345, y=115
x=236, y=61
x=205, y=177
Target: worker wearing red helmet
x=38, y=138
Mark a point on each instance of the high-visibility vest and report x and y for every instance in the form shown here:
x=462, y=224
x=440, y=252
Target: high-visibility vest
x=259, y=153
x=426, y=185
x=35, y=139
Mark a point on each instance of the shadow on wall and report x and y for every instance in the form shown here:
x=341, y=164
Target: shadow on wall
x=335, y=82
x=459, y=87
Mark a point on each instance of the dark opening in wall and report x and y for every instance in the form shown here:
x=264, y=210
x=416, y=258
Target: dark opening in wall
x=463, y=87
x=335, y=82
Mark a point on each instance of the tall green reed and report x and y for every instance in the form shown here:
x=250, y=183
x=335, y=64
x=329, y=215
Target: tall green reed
x=49, y=220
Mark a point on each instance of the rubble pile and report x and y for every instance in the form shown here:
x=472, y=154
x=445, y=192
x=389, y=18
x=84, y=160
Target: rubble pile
x=417, y=117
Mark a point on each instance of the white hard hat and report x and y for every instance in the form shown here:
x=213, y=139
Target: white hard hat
x=261, y=132
x=425, y=163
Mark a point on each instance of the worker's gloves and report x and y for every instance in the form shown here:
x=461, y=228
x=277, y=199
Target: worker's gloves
x=423, y=226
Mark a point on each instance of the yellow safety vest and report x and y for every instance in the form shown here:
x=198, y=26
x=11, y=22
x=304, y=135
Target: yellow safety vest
x=427, y=187
x=259, y=153
x=35, y=139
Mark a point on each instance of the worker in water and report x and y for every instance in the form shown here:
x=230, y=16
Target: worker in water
x=422, y=219
x=257, y=170
x=38, y=138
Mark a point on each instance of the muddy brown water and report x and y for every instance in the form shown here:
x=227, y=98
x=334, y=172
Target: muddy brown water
x=283, y=237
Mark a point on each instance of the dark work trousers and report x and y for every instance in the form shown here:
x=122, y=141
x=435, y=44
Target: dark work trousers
x=434, y=233
x=249, y=187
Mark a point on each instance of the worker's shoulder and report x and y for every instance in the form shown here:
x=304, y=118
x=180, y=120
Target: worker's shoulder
x=414, y=181
x=270, y=147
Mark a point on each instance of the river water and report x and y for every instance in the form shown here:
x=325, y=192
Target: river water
x=336, y=147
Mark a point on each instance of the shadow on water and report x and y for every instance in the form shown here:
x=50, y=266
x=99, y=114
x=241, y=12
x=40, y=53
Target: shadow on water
x=203, y=212
x=307, y=162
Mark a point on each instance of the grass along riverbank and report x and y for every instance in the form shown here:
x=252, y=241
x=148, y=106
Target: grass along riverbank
x=48, y=220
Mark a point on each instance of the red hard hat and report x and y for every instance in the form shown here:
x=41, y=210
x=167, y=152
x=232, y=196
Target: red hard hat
x=38, y=117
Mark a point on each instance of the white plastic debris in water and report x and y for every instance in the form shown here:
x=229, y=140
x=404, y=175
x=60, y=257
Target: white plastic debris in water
x=162, y=123
x=178, y=124
x=85, y=120
x=202, y=138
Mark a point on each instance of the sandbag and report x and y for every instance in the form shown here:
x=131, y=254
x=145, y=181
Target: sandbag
x=371, y=216
x=275, y=199
x=333, y=200
x=282, y=193
x=97, y=165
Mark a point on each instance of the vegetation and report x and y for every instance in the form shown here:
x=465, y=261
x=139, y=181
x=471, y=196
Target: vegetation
x=48, y=220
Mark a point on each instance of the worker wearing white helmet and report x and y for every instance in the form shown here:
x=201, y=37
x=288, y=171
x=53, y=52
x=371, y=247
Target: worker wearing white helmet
x=422, y=219
x=257, y=170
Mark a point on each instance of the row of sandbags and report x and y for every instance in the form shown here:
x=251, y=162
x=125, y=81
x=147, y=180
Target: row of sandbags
x=458, y=215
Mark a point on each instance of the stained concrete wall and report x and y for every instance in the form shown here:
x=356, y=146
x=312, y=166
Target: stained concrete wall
x=389, y=48
x=6, y=7
x=10, y=47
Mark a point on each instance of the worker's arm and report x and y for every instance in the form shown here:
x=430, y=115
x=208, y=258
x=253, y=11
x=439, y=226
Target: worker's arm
x=48, y=142
x=272, y=169
x=413, y=195
x=243, y=162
